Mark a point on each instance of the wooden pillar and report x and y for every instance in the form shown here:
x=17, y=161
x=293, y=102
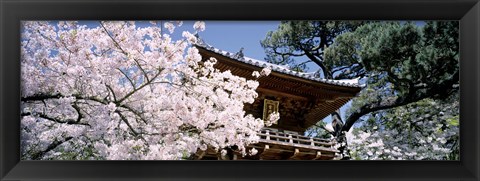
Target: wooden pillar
x=268, y=135
x=319, y=154
x=295, y=153
x=265, y=150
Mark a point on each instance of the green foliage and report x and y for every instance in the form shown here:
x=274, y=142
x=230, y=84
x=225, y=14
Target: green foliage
x=295, y=40
x=403, y=63
x=453, y=121
x=409, y=57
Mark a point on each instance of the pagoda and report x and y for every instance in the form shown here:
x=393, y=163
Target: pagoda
x=301, y=99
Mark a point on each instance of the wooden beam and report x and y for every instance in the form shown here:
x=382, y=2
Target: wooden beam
x=201, y=154
x=264, y=152
x=319, y=154
x=279, y=93
x=295, y=154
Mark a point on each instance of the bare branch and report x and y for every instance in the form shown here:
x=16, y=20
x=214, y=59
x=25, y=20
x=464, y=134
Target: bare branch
x=136, y=113
x=125, y=120
x=128, y=78
x=57, y=120
x=113, y=93
x=50, y=147
x=77, y=108
x=124, y=52
x=286, y=53
x=135, y=90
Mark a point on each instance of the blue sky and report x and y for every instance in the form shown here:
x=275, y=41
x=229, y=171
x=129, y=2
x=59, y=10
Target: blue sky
x=226, y=35
x=232, y=35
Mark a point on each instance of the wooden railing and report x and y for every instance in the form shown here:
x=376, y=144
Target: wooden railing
x=294, y=139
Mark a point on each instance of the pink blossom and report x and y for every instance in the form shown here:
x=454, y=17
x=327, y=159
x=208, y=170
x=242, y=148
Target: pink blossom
x=199, y=26
x=169, y=26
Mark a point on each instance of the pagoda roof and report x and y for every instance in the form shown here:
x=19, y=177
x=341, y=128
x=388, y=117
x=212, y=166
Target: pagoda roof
x=283, y=69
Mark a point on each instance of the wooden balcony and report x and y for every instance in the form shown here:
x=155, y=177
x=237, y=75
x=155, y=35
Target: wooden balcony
x=282, y=145
x=286, y=145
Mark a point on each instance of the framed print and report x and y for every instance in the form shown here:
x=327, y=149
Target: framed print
x=41, y=44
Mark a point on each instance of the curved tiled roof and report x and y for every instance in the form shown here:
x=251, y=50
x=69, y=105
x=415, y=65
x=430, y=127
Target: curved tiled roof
x=279, y=68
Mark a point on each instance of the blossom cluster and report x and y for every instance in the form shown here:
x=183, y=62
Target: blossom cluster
x=124, y=92
x=265, y=72
x=427, y=130
x=272, y=118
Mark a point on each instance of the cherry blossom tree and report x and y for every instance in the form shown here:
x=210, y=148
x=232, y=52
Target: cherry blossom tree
x=121, y=91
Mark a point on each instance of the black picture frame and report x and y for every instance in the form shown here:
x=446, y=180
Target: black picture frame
x=13, y=11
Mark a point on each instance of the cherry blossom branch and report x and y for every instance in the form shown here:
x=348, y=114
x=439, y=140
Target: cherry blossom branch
x=57, y=120
x=138, y=64
x=42, y=97
x=141, y=69
x=136, y=113
x=136, y=89
x=50, y=147
x=113, y=93
x=125, y=120
x=124, y=52
x=77, y=108
x=128, y=78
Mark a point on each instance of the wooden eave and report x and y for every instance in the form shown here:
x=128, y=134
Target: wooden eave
x=301, y=85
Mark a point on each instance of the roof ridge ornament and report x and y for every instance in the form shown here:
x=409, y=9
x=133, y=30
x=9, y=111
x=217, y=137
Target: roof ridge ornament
x=239, y=54
x=199, y=40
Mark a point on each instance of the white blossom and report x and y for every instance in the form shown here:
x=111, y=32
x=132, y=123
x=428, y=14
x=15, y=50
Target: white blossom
x=169, y=26
x=265, y=71
x=272, y=118
x=253, y=151
x=190, y=37
x=256, y=74
x=199, y=26
x=223, y=152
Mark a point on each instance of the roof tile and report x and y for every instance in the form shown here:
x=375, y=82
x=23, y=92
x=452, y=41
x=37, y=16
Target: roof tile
x=280, y=69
